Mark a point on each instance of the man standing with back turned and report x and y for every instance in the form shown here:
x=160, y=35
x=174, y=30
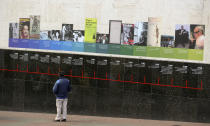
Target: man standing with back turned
x=60, y=89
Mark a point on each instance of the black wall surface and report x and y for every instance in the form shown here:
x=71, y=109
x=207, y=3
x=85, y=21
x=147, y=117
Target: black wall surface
x=106, y=86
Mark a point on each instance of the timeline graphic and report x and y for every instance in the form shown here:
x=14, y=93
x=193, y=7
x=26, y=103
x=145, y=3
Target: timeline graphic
x=94, y=77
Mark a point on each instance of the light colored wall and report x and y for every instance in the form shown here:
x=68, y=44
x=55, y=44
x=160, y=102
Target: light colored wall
x=206, y=21
x=55, y=12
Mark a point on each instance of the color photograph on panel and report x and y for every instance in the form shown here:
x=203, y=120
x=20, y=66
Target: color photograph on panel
x=24, y=28
x=13, y=30
x=182, y=34
x=90, y=30
x=167, y=41
x=127, y=34
x=197, y=35
x=44, y=35
x=140, y=33
x=114, y=31
x=78, y=36
x=67, y=32
x=34, y=27
x=102, y=38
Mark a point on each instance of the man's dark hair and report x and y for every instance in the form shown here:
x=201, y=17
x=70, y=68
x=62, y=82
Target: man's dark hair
x=61, y=73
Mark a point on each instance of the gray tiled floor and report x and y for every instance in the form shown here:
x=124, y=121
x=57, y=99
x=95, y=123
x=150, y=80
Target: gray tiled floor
x=8, y=118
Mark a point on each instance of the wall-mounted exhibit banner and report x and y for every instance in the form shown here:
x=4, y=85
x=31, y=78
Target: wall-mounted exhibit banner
x=90, y=30
x=34, y=27
x=24, y=28
x=115, y=31
x=123, y=39
x=154, y=32
x=177, y=53
x=14, y=30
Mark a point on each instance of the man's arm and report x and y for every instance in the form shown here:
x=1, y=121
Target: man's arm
x=55, y=87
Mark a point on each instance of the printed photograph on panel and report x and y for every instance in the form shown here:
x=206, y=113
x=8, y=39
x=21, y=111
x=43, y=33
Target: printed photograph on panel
x=67, y=32
x=56, y=35
x=34, y=27
x=78, y=36
x=127, y=34
x=182, y=36
x=50, y=35
x=115, y=31
x=154, y=31
x=197, y=35
x=44, y=35
x=13, y=30
x=140, y=33
x=24, y=28
x=102, y=38
x=167, y=41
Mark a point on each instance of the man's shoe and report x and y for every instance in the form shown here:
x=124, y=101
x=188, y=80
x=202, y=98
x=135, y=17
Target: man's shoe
x=63, y=120
x=57, y=120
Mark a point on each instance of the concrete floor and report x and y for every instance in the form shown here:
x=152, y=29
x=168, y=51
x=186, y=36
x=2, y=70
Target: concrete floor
x=8, y=118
